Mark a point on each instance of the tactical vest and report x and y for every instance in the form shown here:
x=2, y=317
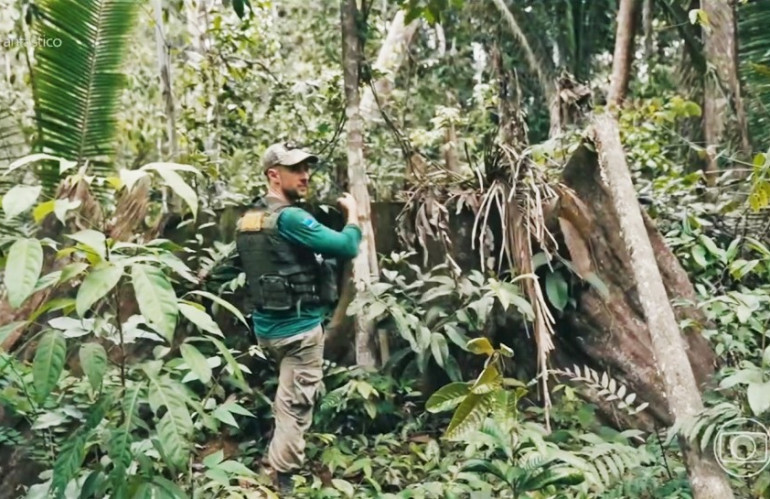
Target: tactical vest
x=281, y=276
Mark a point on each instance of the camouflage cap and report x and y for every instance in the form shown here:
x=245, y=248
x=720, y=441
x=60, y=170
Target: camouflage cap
x=286, y=154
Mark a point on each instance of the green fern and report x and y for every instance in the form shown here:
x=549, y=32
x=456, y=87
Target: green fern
x=605, y=387
x=703, y=427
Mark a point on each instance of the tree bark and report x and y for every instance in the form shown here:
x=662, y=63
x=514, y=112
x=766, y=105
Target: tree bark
x=165, y=78
x=610, y=332
x=390, y=58
x=365, y=264
x=722, y=85
x=648, y=34
x=624, y=53
x=706, y=478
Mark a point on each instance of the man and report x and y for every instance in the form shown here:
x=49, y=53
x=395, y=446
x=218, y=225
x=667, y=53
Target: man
x=291, y=292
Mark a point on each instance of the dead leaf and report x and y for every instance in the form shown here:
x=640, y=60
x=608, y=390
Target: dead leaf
x=578, y=248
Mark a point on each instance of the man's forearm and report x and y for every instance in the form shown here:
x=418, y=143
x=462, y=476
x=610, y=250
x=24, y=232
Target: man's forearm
x=352, y=219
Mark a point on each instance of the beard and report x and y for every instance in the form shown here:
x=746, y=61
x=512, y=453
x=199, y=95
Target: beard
x=292, y=194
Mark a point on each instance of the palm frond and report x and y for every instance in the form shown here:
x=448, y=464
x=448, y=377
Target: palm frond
x=12, y=146
x=77, y=79
x=754, y=54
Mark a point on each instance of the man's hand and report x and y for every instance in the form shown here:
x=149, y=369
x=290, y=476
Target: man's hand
x=348, y=204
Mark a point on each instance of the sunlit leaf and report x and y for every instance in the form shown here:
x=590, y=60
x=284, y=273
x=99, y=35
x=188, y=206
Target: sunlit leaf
x=22, y=270
x=48, y=363
x=96, y=285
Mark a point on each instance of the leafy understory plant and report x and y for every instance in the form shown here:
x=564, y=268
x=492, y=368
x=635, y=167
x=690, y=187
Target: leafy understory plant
x=120, y=395
x=486, y=414
x=433, y=312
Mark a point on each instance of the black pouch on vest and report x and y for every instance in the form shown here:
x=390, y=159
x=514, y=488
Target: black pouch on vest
x=328, y=291
x=275, y=293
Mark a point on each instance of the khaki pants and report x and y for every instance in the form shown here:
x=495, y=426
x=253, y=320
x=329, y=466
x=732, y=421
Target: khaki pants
x=300, y=360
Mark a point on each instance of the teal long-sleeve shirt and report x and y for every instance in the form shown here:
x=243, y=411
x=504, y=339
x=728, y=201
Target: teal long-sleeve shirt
x=300, y=227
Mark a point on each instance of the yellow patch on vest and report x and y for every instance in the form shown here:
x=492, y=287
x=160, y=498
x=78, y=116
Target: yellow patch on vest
x=251, y=221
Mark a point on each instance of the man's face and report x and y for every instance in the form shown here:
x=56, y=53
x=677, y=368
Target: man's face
x=293, y=180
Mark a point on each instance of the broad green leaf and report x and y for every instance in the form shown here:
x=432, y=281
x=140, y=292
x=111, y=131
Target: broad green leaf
x=199, y=318
x=22, y=270
x=71, y=270
x=93, y=358
x=62, y=206
x=168, y=166
x=173, y=434
x=223, y=303
x=447, y=397
x=523, y=306
x=469, y=415
x=557, y=290
x=196, y=362
x=181, y=188
x=7, y=329
x=130, y=177
x=176, y=424
x=759, y=397
x=711, y=246
x=457, y=336
x=167, y=489
x=19, y=199
x=43, y=210
x=47, y=281
x=93, y=240
x=214, y=459
x=119, y=444
x=439, y=348
x=225, y=416
x=236, y=469
x=344, y=486
x=480, y=346
x=236, y=409
x=156, y=298
x=96, y=285
x=699, y=255
x=53, y=306
x=489, y=379
x=34, y=158
x=48, y=363
x=231, y=362
x=376, y=309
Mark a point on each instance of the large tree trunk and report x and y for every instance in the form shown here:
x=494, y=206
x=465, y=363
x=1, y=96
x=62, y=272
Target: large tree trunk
x=390, y=58
x=706, y=478
x=611, y=332
x=722, y=85
x=624, y=53
x=365, y=264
